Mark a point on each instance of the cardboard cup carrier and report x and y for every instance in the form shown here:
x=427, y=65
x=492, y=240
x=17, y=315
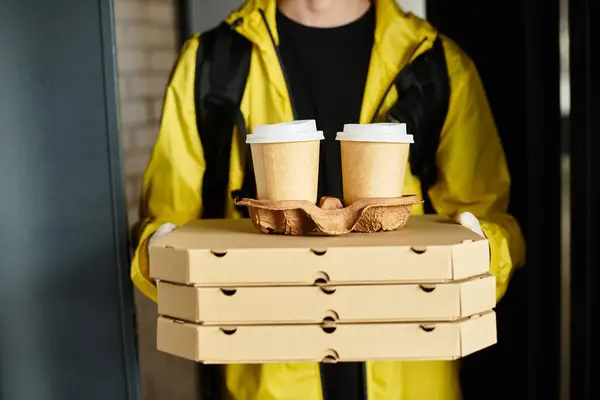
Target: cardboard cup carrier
x=374, y=160
x=285, y=157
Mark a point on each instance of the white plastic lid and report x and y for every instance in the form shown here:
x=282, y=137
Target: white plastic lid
x=294, y=131
x=382, y=132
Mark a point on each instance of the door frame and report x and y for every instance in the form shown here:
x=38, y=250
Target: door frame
x=585, y=187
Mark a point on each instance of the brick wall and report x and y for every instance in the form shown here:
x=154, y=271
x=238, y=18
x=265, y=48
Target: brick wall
x=147, y=47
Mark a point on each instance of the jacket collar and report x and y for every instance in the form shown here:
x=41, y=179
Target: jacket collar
x=399, y=38
x=407, y=29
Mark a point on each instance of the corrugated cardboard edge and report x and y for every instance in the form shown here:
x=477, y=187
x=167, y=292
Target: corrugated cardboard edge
x=463, y=254
x=475, y=335
x=183, y=337
x=170, y=264
x=478, y=295
x=178, y=301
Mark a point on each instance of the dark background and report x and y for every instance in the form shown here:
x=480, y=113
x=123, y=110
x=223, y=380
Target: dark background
x=519, y=67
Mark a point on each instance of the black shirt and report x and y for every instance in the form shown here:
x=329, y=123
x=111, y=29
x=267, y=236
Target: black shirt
x=326, y=69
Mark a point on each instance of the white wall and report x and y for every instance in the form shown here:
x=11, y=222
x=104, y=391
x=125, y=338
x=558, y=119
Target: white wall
x=565, y=86
x=417, y=7
x=208, y=13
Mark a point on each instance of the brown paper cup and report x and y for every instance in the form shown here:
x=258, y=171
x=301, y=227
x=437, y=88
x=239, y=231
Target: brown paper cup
x=286, y=171
x=286, y=160
x=374, y=160
x=373, y=170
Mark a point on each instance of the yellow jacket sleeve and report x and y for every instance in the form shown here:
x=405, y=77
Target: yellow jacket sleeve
x=472, y=171
x=172, y=183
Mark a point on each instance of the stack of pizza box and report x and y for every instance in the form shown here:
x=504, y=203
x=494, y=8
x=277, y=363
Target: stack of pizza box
x=227, y=294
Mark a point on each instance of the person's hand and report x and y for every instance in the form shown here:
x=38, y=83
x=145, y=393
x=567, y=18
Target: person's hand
x=470, y=221
x=161, y=231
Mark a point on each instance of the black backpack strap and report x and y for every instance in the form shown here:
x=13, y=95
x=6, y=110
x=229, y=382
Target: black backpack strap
x=222, y=66
x=423, y=99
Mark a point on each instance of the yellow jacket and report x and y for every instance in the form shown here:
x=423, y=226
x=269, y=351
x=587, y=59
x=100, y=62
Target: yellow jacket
x=473, y=176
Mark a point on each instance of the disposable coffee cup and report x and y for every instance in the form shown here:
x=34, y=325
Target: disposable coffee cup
x=374, y=160
x=285, y=157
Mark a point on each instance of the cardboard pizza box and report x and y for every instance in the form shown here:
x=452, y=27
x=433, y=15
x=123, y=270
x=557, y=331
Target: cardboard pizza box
x=314, y=304
x=328, y=342
x=231, y=253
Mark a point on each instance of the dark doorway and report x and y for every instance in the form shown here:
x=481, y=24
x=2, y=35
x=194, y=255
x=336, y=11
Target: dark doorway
x=516, y=50
x=585, y=188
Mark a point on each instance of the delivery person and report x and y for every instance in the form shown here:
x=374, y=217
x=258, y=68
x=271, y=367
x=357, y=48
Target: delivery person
x=333, y=61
